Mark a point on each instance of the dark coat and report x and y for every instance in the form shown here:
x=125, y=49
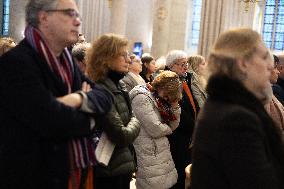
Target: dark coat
x=122, y=128
x=34, y=127
x=278, y=90
x=236, y=143
x=181, y=138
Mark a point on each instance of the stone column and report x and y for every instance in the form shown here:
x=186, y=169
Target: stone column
x=140, y=23
x=161, y=27
x=95, y=18
x=169, y=29
x=119, y=16
x=17, y=19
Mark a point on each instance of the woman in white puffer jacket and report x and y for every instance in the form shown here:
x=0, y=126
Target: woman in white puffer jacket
x=159, y=113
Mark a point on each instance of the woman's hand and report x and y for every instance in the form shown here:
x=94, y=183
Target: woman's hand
x=174, y=104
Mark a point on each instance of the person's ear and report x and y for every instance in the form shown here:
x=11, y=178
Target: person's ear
x=242, y=65
x=42, y=17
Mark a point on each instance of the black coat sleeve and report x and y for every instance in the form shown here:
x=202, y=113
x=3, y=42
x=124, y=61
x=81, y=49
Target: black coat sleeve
x=27, y=102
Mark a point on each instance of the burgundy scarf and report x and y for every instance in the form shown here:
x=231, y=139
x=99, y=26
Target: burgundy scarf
x=165, y=109
x=81, y=151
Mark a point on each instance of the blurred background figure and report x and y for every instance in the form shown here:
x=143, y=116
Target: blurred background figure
x=160, y=65
x=159, y=113
x=6, y=43
x=132, y=78
x=108, y=63
x=79, y=51
x=81, y=38
x=197, y=68
x=236, y=143
x=148, y=68
x=180, y=140
x=278, y=87
x=274, y=108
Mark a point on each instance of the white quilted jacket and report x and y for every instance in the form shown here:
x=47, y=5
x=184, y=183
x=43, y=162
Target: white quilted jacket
x=156, y=169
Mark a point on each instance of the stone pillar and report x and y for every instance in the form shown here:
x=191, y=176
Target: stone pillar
x=1, y=16
x=161, y=28
x=119, y=16
x=95, y=18
x=169, y=29
x=140, y=23
x=17, y=19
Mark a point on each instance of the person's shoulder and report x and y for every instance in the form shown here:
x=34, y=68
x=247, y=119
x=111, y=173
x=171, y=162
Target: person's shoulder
x=21, y=52
x=137, y=90
x=126, y=78
x=227, y=113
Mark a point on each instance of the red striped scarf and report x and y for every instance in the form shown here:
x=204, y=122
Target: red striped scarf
x=81, y=151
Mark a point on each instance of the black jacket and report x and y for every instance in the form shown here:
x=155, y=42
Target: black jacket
x=181, y=138
x=236, y=144
x=34, y=127
x=278, y=90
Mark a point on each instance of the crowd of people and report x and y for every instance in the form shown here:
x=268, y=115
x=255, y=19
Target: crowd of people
x=78, y=115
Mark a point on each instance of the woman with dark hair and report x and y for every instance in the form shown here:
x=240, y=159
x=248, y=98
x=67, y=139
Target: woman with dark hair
x=107, y=63
x=148, y=68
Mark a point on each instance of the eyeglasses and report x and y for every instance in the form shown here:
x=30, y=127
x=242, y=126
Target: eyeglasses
x=69, y=12
x=183, y=64
x=125, y=55
x=137, y=61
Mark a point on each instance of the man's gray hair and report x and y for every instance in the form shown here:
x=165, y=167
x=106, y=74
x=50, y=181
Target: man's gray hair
x=34, y=6
x=173, y=56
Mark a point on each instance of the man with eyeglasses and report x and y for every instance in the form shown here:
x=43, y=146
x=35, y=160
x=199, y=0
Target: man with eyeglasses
x=44, y=131
x=181, y=138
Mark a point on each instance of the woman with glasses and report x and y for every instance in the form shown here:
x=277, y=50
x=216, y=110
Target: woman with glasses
x=148, y=68
x=132, y=78
x=107, y=63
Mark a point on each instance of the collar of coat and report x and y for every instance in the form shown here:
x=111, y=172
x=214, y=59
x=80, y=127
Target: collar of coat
x=223, y=88
x=227, y=90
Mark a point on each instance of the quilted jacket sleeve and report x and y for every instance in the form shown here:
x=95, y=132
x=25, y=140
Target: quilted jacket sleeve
x=145, y=112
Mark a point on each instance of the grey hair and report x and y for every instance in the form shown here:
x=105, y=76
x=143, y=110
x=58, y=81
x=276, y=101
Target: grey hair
x=35, y=6
x=79, y=50
x=173, y=56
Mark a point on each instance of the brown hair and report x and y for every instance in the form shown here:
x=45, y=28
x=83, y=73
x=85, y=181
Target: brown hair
x=170, y=82
x=6, y=43
x=232, y=45
x=102, y=55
